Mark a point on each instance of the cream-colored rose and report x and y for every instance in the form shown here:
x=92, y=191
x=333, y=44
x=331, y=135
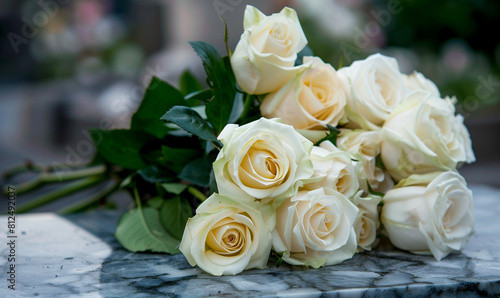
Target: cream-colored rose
x=429, y=214
x=264, y=58
x=262, y=159
x=364, y=147
x=423, y=135
x=417, y=81
x=227, y=236
x=367, y=221
x=310, y=101
x=332, y=169
x=315, y=228
x=376, y=88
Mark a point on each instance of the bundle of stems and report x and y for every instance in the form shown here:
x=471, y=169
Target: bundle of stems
x=72, y=179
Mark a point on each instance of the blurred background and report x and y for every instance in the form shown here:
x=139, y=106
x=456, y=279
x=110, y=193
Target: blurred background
x=69, y=65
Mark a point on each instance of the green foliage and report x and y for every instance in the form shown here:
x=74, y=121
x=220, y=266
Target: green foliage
x=121, y=147
x=190, y=121
x=174, y=214
x=279, y=262
x=238, y=108
x=197, y=98
x=188, y=83
x=140, y=229
x=158, y=98
x=155, y=202
x=198, y=171
x=154, y=174
x=176, y=158
x=379, y=163
x=167, y=154
x=221, y=81
x=175, y=188
x=330, y=136
x=371, y=191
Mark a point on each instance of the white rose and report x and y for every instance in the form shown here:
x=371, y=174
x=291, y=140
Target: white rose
x=417, y=81
x=333, y=169
x=376, y=88
x=262, y=159
x=315, y=228
x=311, y=100
x=423, y=135
x=433, y=217
x=226, y=236
x=367, y=221
x=364, y=147
x=264, y=58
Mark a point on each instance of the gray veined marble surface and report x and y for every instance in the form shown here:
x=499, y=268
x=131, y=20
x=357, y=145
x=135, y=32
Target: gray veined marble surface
x=77, y=255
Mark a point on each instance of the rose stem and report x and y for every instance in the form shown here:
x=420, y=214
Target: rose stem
x=198, y=194
x=247, y=106
x=84, y=204
x=28, y=166
x=43, y=178
x=61, y=192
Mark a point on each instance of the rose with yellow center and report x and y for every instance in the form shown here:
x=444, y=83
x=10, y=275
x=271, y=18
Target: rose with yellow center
x=311, y=100
x=264, y=159
x=227, y=236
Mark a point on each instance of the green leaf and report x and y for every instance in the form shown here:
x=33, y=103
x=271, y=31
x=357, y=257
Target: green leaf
x=279, y=262
x=221, y=81
x=158, y=98
x=210, y=57
x=372, y=192
x=151, y=152
x=155, y=202
x=190, y=121
x=226, y=38
x=198, y=97
x=379, y=163
x=341, y=62
x=237, y=110
x=212, y=183
x=188, y=83
x=330, y=136
x=128, y=181
x=174, y=214
x=121, y=147
x=177, y=158
x=175, y=188
x=198, y=171
x=154, y=174
x=141, y=230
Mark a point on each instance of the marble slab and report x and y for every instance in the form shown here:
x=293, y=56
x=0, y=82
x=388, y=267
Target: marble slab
x=78, y=256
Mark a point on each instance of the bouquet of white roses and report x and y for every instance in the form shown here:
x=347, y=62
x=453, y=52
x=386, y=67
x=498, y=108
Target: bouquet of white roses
x=287, y=154
x=293, y=183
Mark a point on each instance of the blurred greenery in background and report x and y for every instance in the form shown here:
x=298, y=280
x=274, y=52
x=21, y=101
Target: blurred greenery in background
x=451, y=41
